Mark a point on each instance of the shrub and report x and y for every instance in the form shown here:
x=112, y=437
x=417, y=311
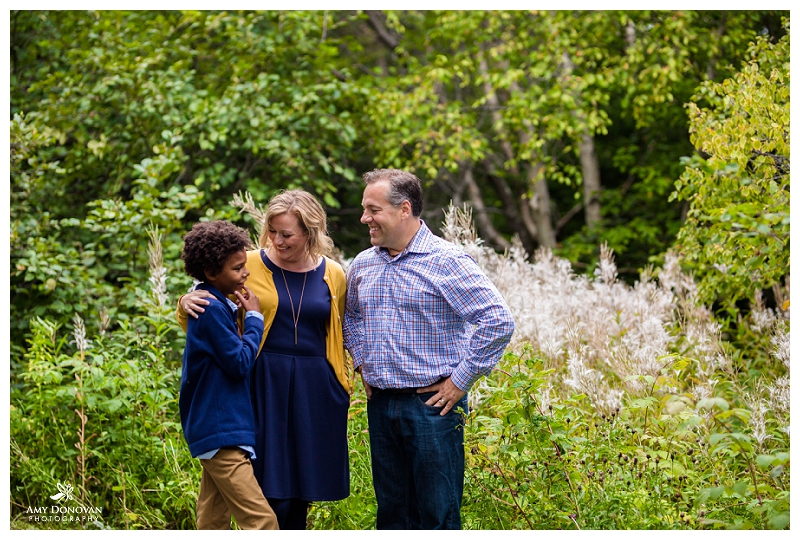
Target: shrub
x=615, y=407
x=105, y=420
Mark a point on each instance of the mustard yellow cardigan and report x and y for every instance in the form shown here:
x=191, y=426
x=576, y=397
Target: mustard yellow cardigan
x=261, y=283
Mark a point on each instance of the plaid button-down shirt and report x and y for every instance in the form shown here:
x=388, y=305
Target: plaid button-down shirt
x=427, y=313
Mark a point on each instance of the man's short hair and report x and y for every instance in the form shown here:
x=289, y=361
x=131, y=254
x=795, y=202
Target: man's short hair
x=403, y=186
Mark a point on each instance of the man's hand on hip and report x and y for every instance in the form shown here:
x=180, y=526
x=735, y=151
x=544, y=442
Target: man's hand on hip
x=446, y=396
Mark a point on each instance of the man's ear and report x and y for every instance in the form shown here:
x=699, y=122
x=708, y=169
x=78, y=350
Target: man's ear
x=405, y=208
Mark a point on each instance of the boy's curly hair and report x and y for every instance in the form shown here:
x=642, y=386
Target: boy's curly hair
x=209, y=244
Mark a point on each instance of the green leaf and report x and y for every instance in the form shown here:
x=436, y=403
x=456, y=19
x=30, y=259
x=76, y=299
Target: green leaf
x=716, y=438
x=765, y=460
x=740, y=487
x=777, y=471
x=113, y=404
x=779, y=521
x=713, y=403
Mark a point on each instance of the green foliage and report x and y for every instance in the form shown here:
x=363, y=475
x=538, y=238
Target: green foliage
x=511, y=97
x=126, y=120
x=95, y=264
x=736, y=234
x=249, y=97
x=356, y=512
x=129, y=125
x=658, y=463
x=103, y=418
x=260, y=101
x=30, y=176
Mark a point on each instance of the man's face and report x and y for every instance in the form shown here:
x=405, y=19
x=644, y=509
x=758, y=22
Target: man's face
x=384, y=220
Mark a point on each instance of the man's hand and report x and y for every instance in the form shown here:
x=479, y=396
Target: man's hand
x=446, y=397
x=367, y=388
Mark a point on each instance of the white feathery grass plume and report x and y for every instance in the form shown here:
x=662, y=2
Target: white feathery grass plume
x=780, y=397
x=103, y=320
x=586, y=329
x=546, y=399
x=704, y=390
x=606, y=271
x=758, y=420
x=158, y=274
x=244, y=202
x=779, y=390
x=600, y=335
x=79, y=332
x=781, y=343
x=762, y=316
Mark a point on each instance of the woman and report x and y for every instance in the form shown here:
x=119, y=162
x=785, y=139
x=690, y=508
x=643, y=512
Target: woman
x=300, y=384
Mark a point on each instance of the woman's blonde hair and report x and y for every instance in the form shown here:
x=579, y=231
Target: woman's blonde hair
x=309, y=213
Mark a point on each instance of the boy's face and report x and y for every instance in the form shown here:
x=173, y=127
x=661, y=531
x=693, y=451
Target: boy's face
x=233, y=274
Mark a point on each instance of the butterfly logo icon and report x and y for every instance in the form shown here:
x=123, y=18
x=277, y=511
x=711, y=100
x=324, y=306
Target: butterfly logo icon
x=64, y=490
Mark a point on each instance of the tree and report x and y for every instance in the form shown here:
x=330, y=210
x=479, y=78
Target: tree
x=249, y=97
x=564, y=128
x=736, y=234
x=158, y=118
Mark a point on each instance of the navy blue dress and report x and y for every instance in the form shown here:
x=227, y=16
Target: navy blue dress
x=300, y=407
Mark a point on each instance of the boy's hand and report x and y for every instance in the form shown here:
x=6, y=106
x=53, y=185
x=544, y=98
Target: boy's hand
x=248, y=300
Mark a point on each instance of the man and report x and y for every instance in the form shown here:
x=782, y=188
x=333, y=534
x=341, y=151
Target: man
x=422, y=323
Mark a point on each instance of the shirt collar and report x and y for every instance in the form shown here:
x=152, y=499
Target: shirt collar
x=418, y=244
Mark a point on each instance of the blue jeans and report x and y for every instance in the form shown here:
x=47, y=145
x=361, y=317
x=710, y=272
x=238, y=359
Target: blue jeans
x=417, y=461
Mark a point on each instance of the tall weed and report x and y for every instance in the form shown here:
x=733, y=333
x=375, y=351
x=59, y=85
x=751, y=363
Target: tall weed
x=600, y=373
x=614, y=407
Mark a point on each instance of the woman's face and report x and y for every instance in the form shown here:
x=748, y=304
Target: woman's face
x=288, y=238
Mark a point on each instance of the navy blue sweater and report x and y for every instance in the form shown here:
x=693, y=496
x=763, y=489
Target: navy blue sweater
x=215, y=384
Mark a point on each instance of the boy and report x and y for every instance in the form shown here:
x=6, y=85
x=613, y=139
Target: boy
x=216, y=412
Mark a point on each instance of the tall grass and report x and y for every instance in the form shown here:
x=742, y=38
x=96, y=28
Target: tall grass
x=617, y=406
x=614, y=407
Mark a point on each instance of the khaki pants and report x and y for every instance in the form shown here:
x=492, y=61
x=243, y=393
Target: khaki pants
x=227, y=487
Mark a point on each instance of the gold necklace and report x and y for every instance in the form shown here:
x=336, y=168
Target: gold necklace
x=295, y=318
